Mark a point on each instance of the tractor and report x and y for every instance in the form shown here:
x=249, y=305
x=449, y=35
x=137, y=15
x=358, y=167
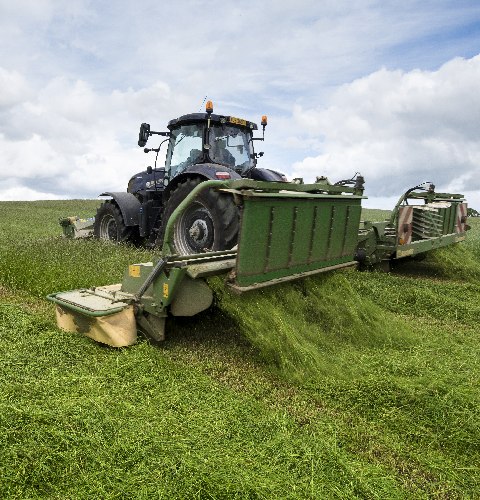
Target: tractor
x=201, y=147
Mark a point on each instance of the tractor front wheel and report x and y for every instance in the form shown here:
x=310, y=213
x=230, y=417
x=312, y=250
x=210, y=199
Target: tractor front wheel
x=109, y=225
x=210, y=222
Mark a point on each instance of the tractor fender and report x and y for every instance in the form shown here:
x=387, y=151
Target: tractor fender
x=207, y=171
x=265, y=174
x=129, y=206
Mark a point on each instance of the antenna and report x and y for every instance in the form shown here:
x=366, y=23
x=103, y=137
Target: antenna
x=200, y=110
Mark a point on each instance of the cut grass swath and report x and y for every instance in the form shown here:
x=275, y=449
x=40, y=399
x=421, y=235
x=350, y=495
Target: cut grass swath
x=300, y=327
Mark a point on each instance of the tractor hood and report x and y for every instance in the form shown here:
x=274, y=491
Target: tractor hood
x=144, y=180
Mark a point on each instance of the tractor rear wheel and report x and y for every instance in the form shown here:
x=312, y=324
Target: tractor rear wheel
x=210, y=223
x=109, y=223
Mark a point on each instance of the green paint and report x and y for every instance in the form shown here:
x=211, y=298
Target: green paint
x=292, y=235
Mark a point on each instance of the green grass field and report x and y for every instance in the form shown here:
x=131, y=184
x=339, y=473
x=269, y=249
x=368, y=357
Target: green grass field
x=344, y=386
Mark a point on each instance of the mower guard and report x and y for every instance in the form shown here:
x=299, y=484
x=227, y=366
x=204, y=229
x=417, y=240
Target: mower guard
x=96, y=314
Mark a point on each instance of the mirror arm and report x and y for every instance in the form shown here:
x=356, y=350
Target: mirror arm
x=165, y=134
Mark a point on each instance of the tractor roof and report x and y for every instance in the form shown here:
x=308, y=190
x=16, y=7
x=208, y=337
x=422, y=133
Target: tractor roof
x=202, y=117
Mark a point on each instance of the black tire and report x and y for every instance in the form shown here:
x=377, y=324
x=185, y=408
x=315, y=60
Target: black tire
x=211, y=222
x=109, y=225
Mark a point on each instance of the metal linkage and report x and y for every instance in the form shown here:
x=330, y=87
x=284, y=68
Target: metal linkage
x=151, y=277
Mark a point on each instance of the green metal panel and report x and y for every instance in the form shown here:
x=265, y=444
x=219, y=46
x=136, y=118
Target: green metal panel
x=280, y=237
x=352, y=226
x=134, y=277
x=426, y=245
x=448, y=215
x=302, y=235
x=337, y=230
x=321, y=232
x=282, y=221
x=255, y=237
x=452, y=218
x=445, y=213
x=452, y=215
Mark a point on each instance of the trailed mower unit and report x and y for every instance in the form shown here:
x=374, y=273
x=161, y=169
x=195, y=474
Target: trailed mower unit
x=284, y=235
x=421, y=220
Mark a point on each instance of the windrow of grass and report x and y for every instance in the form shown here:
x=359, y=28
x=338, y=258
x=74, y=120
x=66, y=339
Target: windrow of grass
x=305, y=328
x=346, y=385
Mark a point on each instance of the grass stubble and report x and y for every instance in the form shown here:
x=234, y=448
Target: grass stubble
x=346, y=385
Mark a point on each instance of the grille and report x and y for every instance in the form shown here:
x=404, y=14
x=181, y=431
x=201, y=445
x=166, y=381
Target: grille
x=426, y=223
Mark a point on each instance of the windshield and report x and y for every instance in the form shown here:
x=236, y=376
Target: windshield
x=184, y=148
x=229, y=146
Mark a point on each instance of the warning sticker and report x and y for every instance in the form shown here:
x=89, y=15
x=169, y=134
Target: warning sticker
x=404, y=253
x=165, y=289
x=134, y=271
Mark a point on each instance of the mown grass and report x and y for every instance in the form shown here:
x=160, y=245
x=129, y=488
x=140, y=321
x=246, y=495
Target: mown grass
x=347, y=385
x=304, y=329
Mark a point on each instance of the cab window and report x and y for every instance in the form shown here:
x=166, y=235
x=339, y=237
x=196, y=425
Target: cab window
x=229, y=146
x=184, y=148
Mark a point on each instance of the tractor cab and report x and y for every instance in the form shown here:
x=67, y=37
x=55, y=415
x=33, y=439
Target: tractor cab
x=201, y=147
x=201, y=138
x=213, y=146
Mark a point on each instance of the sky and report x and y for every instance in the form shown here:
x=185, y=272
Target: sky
x=389, y=89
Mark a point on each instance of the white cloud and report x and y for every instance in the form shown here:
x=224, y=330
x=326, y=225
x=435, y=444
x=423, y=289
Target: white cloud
x=77, y=78
x=26, y=194
x=399, y=129
x=70, y=141
x=13, y=88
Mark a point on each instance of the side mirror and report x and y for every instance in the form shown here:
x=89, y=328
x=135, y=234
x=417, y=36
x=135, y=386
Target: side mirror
x=144, y=134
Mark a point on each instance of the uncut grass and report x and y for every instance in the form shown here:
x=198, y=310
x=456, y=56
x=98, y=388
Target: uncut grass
x=36, y=260
x=460, y=262
x=375, y=215
x=456, y=262
x=41, y=267
x=438, y=299
x=39, y=219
